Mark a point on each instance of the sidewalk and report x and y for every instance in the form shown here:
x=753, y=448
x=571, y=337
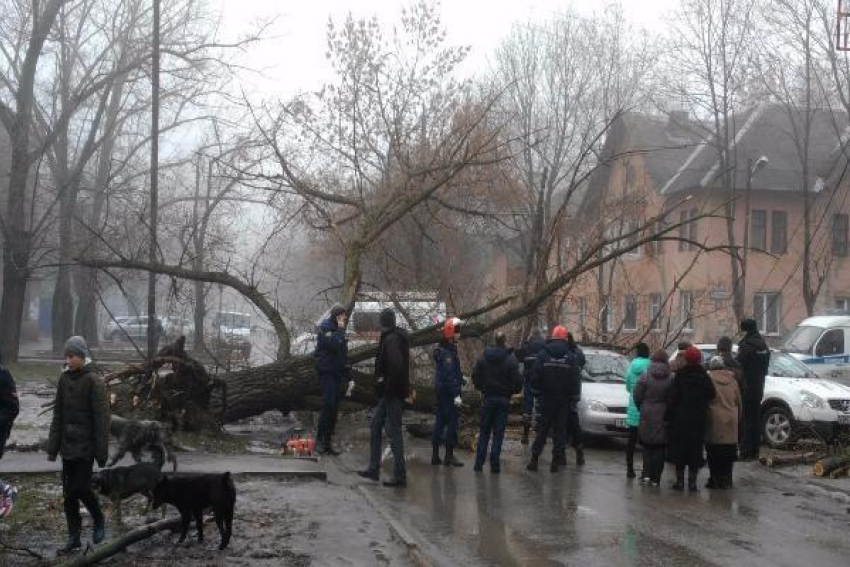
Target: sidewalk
x=15, y=463
x=838, y=488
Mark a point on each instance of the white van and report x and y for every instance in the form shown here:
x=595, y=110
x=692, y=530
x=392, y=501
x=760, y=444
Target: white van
x=823, y=344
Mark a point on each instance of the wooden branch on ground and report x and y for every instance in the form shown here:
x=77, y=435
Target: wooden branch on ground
x=839, y=472
x=779, y=459
x=827, y=465
x=115, y=546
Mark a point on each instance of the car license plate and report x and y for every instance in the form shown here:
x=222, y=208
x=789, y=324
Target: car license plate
x=844, y=419
x=622, y=423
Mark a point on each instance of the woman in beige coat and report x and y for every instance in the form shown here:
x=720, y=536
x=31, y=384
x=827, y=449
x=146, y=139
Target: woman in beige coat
x=724, y=414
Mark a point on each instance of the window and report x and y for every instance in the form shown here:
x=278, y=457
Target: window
x=607, y=318
x=656, y=247
x=758, y=230
x=630, y=227
x=839, y=235
x=630, y=313
x=831, y=343
x=655, y=311
x=766, y=307
x=582, y=313
x=688, y=229
x=842, y=304
x=686, y=308
x=779, y=232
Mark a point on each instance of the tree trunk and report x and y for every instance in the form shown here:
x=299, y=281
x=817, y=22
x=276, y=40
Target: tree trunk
x=63, y=301
x=85, y=319
x=825, y=466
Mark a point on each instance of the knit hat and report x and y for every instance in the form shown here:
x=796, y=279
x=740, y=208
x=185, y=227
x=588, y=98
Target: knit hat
x=560, y=332
x=77, y=346
x=387, y=319
x=749, y=326
x=693, y=355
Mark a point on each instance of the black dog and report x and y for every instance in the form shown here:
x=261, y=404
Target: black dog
x=120, y=483
x=192, y=494
x=137, y=435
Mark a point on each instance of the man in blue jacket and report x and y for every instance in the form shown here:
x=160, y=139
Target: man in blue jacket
x=331, y=366
x=527, y=355
x=448, y=384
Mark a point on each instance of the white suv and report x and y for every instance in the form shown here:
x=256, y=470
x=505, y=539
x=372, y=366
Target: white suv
x=604, y=399
x=797, y=402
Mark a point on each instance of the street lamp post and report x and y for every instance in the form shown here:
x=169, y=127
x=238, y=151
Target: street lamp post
x=752, y=168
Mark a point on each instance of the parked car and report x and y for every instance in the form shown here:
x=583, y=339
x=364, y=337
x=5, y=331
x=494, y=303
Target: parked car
x=823, y=343
x=231, y=330
x=179, y=326
x=604, y=399
x=796, y=401
x=131, y=328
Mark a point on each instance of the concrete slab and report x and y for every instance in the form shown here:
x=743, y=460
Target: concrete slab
x=15, y=463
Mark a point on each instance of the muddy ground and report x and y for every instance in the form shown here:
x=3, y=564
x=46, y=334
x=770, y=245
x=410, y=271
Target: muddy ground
x=277, y=522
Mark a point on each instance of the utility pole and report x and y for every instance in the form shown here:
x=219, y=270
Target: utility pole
x=153, y=328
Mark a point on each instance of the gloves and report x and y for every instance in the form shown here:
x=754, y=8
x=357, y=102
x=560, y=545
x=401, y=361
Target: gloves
x=458, y=401
x=350, y=389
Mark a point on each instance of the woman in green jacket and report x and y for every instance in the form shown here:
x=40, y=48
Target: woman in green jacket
x=636, y=369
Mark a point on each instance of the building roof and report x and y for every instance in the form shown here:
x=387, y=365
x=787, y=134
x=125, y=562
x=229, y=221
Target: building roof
x=679, y=155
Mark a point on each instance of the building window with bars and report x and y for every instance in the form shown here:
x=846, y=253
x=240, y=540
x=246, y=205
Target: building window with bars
x=607, y=317
x=655, y=311
x=688, y=230
x=758, y=230
x=766, y=307
x=839, y=235
x=779, y=232
x=842, y=304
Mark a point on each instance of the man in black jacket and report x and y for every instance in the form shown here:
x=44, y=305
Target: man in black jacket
x=557, y=380
x=754, y=357
x=392, y=379
x=496, y=375
x=9, y=408
x=527, y=355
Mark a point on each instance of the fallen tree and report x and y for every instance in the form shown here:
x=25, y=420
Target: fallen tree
x=827, y=465
x=118, y=545
x=779, y=459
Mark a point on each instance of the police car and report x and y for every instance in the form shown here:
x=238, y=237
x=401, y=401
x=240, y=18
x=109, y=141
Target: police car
x=823, y=344
x=604, y=399
x=796, y=401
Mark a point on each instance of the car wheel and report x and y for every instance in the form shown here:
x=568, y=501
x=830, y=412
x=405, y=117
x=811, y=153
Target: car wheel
x=778, y=427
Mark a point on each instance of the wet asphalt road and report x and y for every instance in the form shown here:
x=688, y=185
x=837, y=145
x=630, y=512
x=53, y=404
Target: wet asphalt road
x=596, y=517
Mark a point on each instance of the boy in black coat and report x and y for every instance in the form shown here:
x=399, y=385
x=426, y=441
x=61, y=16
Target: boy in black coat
x=392, y=378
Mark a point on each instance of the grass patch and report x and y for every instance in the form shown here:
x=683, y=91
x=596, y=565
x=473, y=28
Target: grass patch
x=222, y=443
x=38, y=507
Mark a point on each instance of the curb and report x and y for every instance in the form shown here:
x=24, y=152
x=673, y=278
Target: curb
x=270, y=475
x=414, y=551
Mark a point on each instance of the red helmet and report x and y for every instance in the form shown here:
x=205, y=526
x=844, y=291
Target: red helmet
x=451, y=326
x=560, y=332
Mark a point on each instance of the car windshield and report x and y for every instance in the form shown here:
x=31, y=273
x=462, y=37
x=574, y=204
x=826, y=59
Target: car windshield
x=802, y=339
x=786, y=366
x=608, y=368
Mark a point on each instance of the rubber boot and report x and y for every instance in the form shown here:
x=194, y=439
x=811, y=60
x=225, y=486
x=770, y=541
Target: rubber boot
x=435, y=454
x=532, y=464
x=680, y=479
x=630, y=466
x=692, y=479
x=99, y=529
x=580, y=457
x=560, y=458
x=450, y=460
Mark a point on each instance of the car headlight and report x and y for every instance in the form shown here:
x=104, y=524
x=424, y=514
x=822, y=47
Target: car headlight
x=596, y=405
x=810, y=400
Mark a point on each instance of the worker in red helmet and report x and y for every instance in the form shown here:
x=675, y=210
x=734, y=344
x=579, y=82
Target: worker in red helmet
x=557, y=381
x=448, y=384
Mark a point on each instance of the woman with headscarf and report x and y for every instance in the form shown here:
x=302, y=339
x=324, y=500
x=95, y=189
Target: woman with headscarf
x=687, y=414
x=651, y=394
x=724, y=416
